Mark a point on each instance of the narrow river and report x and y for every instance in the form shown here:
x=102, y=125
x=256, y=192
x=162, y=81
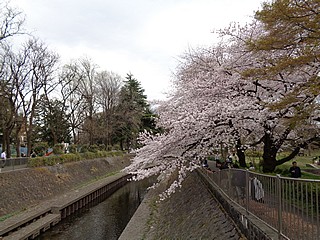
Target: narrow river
x=105, y=220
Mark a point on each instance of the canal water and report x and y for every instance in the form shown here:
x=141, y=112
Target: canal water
x=105, y=220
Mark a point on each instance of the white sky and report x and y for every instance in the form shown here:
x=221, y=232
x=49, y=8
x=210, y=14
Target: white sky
x=144, y=37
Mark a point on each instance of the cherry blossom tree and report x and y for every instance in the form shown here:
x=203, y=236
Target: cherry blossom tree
x=288, y=52
x=200, y=116
x=214, y=103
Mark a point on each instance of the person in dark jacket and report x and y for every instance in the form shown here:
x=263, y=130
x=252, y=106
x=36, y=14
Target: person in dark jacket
x=294, y=170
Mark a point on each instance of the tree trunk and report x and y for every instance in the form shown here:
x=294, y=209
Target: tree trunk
x=121, y=145
x=18, y=143
x=269, y=162
x=128, y=145
x=29, y=139
x=28, y=146
x=74, y=135
x=269, y=154
x=240, y=154
x=18, y=146
x=242, y=158
x=8, y=149
x=7, y=131
x=6, y=142
x=54, y=136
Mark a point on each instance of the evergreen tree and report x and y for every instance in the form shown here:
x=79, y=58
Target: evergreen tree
x=51, y=123
x=131, y=110
x=149, y=122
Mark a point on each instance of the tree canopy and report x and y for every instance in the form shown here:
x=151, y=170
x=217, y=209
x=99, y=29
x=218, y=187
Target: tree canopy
x=132, y=112
x=257, y=88
x=77, y=102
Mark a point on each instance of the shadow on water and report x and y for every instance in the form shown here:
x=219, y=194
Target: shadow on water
x=104, y=220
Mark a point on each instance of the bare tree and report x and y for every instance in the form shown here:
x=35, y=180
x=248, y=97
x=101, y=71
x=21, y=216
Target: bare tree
x=108, y=86
x=10, y=117
x=70, y=77
x=33, y=77
x=86, y=89
x=11, y=21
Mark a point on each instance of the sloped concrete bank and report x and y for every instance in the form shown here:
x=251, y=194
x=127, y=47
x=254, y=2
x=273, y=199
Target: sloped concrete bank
x=23, y=189
x=38, y=198
x=30, y=223
x=250, y=226
x=190, y=213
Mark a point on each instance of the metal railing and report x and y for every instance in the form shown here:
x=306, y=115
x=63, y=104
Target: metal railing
x=289, y=206
x=13, y=163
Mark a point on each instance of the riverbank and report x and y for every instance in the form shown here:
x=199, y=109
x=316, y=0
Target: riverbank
x=26, y=188
x=190, y=213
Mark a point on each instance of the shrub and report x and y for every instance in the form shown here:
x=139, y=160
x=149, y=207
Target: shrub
x=93, y=148
x=117, y=153
x=102, y=147
x=58, y=149
x=116, y=147
x=84, y=148
x=109, y=148
x=36, y=162
x=53, y=160
x=70, y=157
x=73, y=148
x=88, y=155
x=40, y=148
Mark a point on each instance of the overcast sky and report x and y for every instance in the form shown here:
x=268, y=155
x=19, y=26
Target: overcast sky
x=144, y=37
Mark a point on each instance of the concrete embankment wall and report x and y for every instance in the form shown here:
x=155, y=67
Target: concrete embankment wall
x=41, y=197
x=30, y=223
x=250, y=226
x=190, y=213
x=198, y=210
x=26, y=188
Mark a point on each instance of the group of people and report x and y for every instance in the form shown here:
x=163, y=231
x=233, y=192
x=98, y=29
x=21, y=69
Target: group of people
x=226, y=164
x=295, y=171
x=229, y=163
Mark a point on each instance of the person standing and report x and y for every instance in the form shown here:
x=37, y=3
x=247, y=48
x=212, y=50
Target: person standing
x=294, y=170
x=3, y=158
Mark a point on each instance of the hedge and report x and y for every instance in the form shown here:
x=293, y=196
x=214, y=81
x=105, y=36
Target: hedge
x=70, y=157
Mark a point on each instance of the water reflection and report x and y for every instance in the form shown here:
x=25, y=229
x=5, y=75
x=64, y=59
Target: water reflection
x=106, y=220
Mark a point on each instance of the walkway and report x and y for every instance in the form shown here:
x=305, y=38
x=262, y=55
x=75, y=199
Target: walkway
x=14, y=164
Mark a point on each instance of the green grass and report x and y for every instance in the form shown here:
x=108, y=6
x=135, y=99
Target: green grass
x=307, y=175
x=283, y=169
x=2, y=218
